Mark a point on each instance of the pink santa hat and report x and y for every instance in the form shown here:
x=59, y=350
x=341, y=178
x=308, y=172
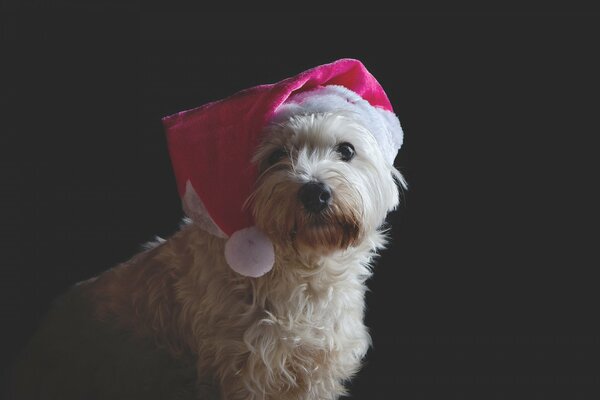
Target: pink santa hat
x=211, y=148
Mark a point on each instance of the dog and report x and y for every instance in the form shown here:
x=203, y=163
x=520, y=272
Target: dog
x=176, y=322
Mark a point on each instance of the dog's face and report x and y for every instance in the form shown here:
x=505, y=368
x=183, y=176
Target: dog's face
x=323, y=185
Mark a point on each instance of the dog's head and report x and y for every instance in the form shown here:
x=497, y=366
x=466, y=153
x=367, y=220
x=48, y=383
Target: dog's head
x=324, y=184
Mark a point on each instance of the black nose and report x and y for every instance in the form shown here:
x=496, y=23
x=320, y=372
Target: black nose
x=315, y=196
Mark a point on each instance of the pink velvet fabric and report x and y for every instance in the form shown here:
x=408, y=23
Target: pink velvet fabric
x=212, y=145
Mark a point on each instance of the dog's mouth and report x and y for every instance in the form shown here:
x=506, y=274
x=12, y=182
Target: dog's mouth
x=324, y=232
x=316, y=220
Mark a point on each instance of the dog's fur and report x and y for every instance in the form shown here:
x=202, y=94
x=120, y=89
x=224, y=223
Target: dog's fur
x=295, y=333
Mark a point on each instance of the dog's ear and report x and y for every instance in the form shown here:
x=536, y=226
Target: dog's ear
x=400, y=187
x=399, y=179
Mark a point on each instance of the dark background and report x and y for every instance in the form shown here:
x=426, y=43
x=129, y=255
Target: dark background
x=488, y=289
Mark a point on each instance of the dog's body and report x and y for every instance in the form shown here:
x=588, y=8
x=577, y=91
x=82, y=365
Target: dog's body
x=295, y=333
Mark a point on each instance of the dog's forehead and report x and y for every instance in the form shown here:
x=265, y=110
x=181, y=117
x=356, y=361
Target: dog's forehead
x=315, y=137
x=317, y=131
x=320, y=131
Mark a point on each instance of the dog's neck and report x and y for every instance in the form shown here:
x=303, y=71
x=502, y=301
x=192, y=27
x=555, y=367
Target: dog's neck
x=308, y=290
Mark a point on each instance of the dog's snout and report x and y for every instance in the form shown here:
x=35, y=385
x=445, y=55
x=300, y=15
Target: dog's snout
x=315, y=196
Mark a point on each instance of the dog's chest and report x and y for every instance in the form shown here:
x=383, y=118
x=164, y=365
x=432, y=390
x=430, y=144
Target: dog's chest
x=320, y=317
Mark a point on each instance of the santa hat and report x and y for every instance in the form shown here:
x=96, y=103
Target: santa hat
x=211, y=148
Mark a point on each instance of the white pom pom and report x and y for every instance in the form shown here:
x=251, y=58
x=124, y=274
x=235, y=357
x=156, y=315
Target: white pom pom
x=250, y=252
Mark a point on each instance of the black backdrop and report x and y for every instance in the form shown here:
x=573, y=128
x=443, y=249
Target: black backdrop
x=487, y=290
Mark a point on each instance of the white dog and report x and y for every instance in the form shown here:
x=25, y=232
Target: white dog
x=176, y=319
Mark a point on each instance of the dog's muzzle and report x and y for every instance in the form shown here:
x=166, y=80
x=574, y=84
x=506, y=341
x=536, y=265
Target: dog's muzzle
x=315, y=196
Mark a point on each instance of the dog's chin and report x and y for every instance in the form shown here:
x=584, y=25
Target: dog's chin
x=324, y=234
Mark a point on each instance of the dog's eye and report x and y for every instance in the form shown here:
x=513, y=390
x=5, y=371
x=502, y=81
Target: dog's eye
x=276, y=156
x=346, y=151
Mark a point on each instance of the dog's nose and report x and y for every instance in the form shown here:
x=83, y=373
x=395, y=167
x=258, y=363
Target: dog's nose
x=315, y=196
